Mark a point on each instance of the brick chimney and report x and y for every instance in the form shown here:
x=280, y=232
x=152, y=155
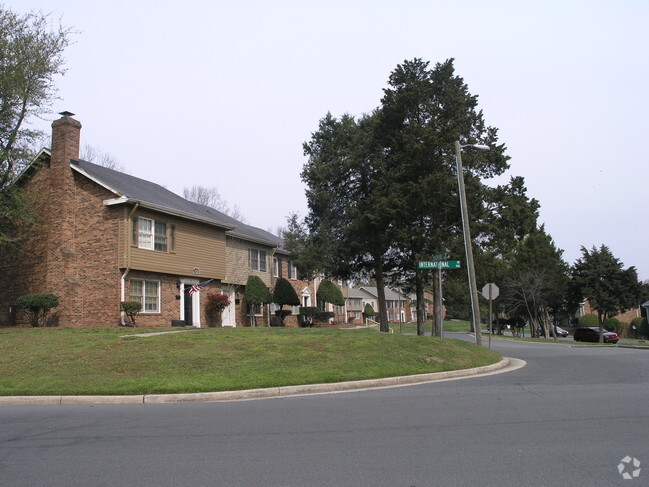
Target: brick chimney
x=65, y=140
x=62, y=272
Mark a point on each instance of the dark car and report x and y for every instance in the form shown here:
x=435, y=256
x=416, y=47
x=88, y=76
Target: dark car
x=591, y=334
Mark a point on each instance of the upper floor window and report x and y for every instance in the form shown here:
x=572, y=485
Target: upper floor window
x=150, y=234
x=257, y=260
x=278, y=266
x=292, y=270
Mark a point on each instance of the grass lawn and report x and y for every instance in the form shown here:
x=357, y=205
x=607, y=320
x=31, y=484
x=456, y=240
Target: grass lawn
x=59, y=361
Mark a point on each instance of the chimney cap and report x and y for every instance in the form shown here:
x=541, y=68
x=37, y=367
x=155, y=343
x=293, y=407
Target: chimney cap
x=66, y=114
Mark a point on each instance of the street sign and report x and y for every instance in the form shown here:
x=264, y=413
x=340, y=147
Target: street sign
x=490, y=291
x=439, y=264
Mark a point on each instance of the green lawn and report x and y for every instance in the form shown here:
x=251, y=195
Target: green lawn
x=99, y=361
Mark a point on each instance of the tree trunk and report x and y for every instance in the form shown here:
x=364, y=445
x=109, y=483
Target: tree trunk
x=421, y=305
x=439, y=305
x=380, y=287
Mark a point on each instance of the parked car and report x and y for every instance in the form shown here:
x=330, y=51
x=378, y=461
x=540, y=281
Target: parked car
x=591, y=334
x=559, y=331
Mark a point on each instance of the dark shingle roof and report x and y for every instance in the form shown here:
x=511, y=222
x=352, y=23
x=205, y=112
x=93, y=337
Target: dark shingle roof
x=150, y=194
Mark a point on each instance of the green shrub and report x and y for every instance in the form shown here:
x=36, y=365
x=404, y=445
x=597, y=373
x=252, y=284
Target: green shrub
x=330, y=293
x=284, y=293
x=641, y=327
x=131, y=308
x=37, y=307
x=256, y=294
x=588, y=320
x=369, y=311
x=307, y=315
x=323, y=316
x=611, y=324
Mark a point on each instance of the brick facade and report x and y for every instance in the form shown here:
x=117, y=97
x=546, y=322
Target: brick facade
x=73, y=252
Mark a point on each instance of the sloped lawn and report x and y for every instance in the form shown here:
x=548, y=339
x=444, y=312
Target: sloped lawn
x=103, y=361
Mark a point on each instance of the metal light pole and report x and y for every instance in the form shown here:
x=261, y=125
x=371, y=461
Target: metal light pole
x=473, y=288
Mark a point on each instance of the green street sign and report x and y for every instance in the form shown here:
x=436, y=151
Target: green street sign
x=439, y=264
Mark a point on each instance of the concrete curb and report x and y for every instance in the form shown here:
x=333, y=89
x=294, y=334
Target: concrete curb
x=505, y=365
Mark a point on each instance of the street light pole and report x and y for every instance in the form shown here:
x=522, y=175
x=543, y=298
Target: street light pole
x=468, y=248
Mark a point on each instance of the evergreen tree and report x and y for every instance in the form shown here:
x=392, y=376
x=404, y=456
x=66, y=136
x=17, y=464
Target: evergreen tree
x=256, y=294
x=328, y=292
x=423, y=112
x=284, y=294
x=537, y=281
x=598, y=276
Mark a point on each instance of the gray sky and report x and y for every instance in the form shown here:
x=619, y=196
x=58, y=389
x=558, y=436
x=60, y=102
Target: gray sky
x=224, y=94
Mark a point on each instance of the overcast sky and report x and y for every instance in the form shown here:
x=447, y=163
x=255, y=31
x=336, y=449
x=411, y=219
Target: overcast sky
x=223, y=94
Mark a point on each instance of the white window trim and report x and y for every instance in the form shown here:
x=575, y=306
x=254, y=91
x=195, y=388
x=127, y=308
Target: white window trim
x=254, y=306
x=143, y=302
x=149, y=235
x=260, y=261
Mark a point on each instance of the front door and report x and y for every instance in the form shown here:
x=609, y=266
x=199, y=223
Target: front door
x=188, y=307
x=228, y=317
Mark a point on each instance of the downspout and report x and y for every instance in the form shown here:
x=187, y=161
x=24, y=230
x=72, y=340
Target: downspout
x=128, y=260
x=273, y=277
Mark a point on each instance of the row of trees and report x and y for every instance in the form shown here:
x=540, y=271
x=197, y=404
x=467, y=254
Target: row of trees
x=382, y=194
x=382, y=188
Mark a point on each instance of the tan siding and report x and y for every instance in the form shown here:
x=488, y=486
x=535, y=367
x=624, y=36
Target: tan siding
x=239, y=266
x=197, y=247
x=122, y=239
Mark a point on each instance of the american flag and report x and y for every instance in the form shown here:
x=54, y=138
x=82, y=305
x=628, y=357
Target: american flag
x=197, y=288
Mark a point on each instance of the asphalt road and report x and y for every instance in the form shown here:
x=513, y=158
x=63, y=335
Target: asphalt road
x=566, y=419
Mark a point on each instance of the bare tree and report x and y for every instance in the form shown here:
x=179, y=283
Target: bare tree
x=526, y=295
x=277, y=231
x=212, y=198
x=96, y=156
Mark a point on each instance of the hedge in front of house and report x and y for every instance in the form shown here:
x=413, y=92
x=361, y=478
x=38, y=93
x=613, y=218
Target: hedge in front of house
x=37, y=307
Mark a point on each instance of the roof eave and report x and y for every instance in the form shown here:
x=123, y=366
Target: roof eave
x=248, y=238
x=169, y=211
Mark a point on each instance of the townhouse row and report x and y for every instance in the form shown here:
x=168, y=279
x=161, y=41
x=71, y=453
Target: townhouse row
x=107, y=237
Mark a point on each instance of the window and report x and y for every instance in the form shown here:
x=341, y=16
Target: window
x=255, y=309
x=292, y=270
x=147, y=293
x=278, y=266
x=257, y=259
x=151, y=234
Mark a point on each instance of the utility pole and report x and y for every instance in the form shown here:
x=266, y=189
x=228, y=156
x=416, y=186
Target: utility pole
x=468, y=247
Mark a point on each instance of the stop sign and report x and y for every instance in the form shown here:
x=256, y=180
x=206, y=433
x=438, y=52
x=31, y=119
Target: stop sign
x=490, y=291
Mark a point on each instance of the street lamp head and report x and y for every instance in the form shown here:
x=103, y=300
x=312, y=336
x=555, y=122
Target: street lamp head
x=476, y=146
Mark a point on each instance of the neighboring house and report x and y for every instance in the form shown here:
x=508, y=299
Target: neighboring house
x=355, y=302
x=626, y=317
x=400, y=306
x=109, y=237
x=283, y=266
x=250, y=251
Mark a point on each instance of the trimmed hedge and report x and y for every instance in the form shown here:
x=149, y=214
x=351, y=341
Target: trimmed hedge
x=588, y=320
x=37, y=307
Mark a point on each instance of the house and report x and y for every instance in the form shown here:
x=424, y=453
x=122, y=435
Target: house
x=626, y=317
x=400, y=306
x=108, y=237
